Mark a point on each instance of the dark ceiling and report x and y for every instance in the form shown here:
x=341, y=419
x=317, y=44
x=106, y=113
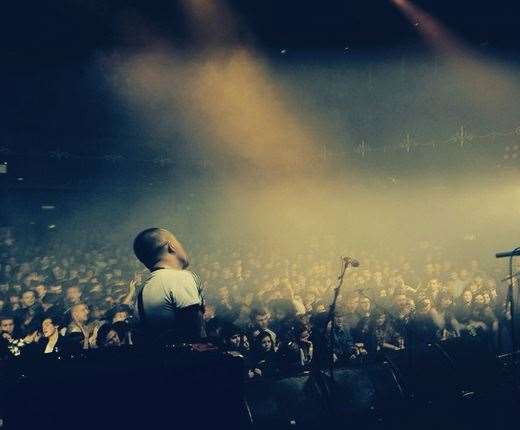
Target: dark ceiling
x=65, y=30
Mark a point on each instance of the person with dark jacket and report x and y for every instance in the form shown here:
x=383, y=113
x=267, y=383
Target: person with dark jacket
x=263, y=359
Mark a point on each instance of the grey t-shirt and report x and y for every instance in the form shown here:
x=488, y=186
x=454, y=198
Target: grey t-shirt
x=166, y=291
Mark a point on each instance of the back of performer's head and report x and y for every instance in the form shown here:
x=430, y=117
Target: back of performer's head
x=155, y=244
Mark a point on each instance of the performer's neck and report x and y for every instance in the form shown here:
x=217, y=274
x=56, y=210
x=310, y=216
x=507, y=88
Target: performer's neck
x=167, y=264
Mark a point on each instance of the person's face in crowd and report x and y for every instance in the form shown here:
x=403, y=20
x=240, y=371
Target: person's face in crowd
x=223, y=293
x=352, y=304
x=381, y=319
x=56, y=289
x=28, y=299
x=7, y=326
x=57, y=272
x=434, y=286
x=305, y=335
x=467, y=297
x=112, y=339
x=40, y=290
x=446, y=302
x=209, y=312
x=401, y=301
x=339, y=321
x=80, y=313
x=473, y=287
x=234, y=341
x=487, y=298
x=426, y=305
x=262, y=321
x=120, y=316
x=48, y=327
x=73, y=294
x=479, y=281
x=478, y=300
x=266, y=344
x=364, y=305
x=14, y=300
x=98, y=313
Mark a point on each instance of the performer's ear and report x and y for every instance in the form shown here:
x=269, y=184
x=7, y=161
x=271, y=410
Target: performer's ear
x=179, y=252
x=171, y=248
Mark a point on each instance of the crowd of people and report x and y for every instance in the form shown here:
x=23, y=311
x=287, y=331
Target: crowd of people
x=272, y=309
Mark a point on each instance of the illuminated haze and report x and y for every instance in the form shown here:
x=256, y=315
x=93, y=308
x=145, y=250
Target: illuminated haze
x=277, y=142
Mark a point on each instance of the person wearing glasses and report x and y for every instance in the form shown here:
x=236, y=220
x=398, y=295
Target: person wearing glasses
x=170, y=302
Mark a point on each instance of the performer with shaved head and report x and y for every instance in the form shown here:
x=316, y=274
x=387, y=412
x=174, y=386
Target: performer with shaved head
x=170, y=303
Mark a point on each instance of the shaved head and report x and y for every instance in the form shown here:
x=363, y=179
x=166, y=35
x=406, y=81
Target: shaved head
x=153, y=244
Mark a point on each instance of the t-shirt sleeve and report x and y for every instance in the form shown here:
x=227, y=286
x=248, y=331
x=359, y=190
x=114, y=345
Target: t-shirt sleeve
x=199, y=286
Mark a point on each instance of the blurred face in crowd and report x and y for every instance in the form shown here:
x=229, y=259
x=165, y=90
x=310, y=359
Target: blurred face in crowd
x=266, y=343
x=80, y=313
x=487, y=298
x=223, y=293
x=478, y=300
x=14, y=300
x=209, y=312
x=56, y=289
x=120, y=316
x=339, y=320
x=28, y=299
x=48, y=327
x=112, y=339
x=401, y=302
x=381, y=319
x=467, y=297
x=305, y=335
x=73, y=294
x=352, y=304
x=446, y=302
x=40, y=290
x=434, y=285
x=262, y=321
x=234, y=340
x=425, y=305
x=7, y=326
x=364, y=304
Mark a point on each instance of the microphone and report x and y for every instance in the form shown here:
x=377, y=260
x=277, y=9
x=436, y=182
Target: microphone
x=506, y=254
x=351, y=261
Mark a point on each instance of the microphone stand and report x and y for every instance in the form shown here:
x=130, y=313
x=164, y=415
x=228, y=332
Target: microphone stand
x=511, y=301
x=510, y=295
x=331, y=317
